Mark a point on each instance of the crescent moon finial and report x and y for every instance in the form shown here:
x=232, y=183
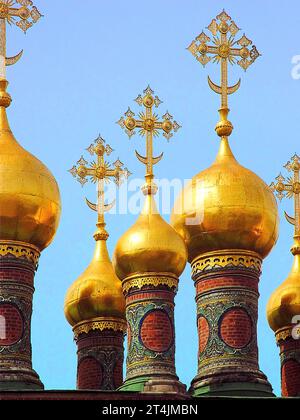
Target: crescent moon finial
x=290, y=219
x=10, y=61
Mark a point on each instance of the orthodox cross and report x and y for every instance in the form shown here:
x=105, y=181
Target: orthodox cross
x=149, y=126
x=24, y=17
x=224, y=49
x=99, y=172
x=290, y=188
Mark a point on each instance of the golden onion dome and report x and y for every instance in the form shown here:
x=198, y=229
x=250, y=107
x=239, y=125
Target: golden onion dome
x=284, y=303
x=30, y=204
x=150, y=245
x=97, y=292
x=226, y=207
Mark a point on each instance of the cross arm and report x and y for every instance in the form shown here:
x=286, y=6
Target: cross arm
x=168, y=125
x=81, y=171
x=28, y=13
x=281, y=188
x=14, y=11
x=211, y=49
x=235, y=51
x=200, y=49
x=111, y=173
x=129, y=123
x=86, y=171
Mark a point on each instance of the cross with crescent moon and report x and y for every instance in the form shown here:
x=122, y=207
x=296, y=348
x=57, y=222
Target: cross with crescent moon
x=289, y=188
x=24, y=17
x=99, y=171
x=149, y=126
x=224, y=49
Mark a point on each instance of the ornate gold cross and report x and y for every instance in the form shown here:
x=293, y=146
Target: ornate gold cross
x=149, y=126
x=289, y=188
x=224, y=49
x=99, y=172
x=24, y=17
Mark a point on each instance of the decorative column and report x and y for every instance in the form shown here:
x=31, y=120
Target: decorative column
x=100, y=354
x=227, y=306
x=288, y=341
x=18, y=263
x=151, y=331
x=148, y=259
x=228, y=218
x=29, y=216
x=283, y=310
x=94, y=304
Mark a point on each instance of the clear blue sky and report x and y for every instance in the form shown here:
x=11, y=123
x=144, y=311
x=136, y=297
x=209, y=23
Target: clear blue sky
x=83, y=64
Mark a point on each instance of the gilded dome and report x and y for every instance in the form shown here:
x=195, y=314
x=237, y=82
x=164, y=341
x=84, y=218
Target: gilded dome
x=284, y=303
x=150, y=245
x=226, y=207
x=97, y=292
x=29, y=196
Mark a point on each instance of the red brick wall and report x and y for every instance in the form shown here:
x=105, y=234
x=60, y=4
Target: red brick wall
x=89, y=374
x=11, y=324
x=236, y=328
x=101, y=360
x=289, y=345
x=228, y=281
x=156, y=331
x=150, y=316
x=16, y=286
x=290, y=369
x=18, y=275
x=149, y=295
x=227, y=298
x=97, y=338
x=290, y=379
x=203, y=333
